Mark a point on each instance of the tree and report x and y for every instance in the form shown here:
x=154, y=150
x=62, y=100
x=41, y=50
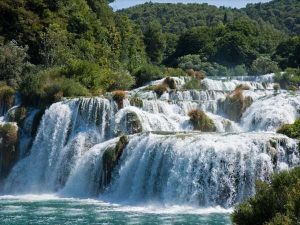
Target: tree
x=13, y=62
x=263, y=65
x=155, y=42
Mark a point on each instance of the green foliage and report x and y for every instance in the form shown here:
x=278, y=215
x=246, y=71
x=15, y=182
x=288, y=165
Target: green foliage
x=263, y=65
x=97, y=79
x=147, y=73
x=154, y=42
x=275, y=203
x=291, y=130
x=289, y=78
x=49, y=86
x=283, y=14
x=192, y=84
x=6, y=96
x=287, y=53
x=13, y=62
x=201, y=121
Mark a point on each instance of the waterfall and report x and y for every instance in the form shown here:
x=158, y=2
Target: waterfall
x=165, y=160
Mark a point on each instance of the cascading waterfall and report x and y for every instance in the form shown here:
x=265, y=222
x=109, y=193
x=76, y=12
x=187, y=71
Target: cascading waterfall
x=164, y=161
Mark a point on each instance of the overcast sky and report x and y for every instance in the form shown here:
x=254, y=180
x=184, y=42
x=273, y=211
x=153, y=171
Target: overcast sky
x=120, y=4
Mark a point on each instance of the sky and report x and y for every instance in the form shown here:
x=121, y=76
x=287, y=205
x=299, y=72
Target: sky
x=120, y=4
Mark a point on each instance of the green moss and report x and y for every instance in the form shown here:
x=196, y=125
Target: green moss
x=201, y=121
x=136, y=101
x=8, y=148
x=110, y=159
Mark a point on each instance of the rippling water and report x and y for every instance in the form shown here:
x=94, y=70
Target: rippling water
x=51, y=210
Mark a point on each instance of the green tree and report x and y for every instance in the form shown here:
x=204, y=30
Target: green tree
x=263, y=65
x=155, y=42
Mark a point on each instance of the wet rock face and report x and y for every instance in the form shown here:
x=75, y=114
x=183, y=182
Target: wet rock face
x=134, y=124
x=8, y=148
x=235, y=105
x=110, y=160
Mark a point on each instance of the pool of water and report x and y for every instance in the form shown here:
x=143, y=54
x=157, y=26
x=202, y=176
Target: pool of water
x=51, y=210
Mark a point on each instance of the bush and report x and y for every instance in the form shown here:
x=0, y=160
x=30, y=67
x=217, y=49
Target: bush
x=263, y=65
x=6, y=96
x=147, y=73
x=290, y=77
x=274, y=203
x=118, y=97
x=192, y=84
x=160, y=89
x=13, y=62
x=48, y=87
x=235, y=104
x=201, y=121
x=170, y=82
x=291, y=130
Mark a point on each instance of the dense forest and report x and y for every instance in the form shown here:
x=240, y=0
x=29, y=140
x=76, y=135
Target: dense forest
x=82, y=47
x=260, y=38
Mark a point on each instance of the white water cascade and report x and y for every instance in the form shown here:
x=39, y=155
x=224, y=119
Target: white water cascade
x=165, y=160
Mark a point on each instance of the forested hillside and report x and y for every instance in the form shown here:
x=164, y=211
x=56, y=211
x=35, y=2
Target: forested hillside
x=78, y=47
x=260, y=38
x=82, y=47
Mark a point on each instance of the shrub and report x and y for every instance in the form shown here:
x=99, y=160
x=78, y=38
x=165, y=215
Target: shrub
x=160, y=89
x=13, y=62
x=274, y=203
x=291, y=130
x=192, y=84
x=174, y=72
x=118, y=97
x=48, y=87
x=147, y=73
x=290, y=77
x=6, y=96
x=201, y=121
x=263, y=65
x=235, y=104
x=170, y=82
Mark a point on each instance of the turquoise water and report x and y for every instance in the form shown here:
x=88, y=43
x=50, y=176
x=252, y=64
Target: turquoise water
x=49, y=210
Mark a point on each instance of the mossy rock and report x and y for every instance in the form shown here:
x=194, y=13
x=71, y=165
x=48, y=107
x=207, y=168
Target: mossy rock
x=8, y=148
x=110, y=160
x=136, y=101
x=134, y=124
x=18, y=115
x=201, y=121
